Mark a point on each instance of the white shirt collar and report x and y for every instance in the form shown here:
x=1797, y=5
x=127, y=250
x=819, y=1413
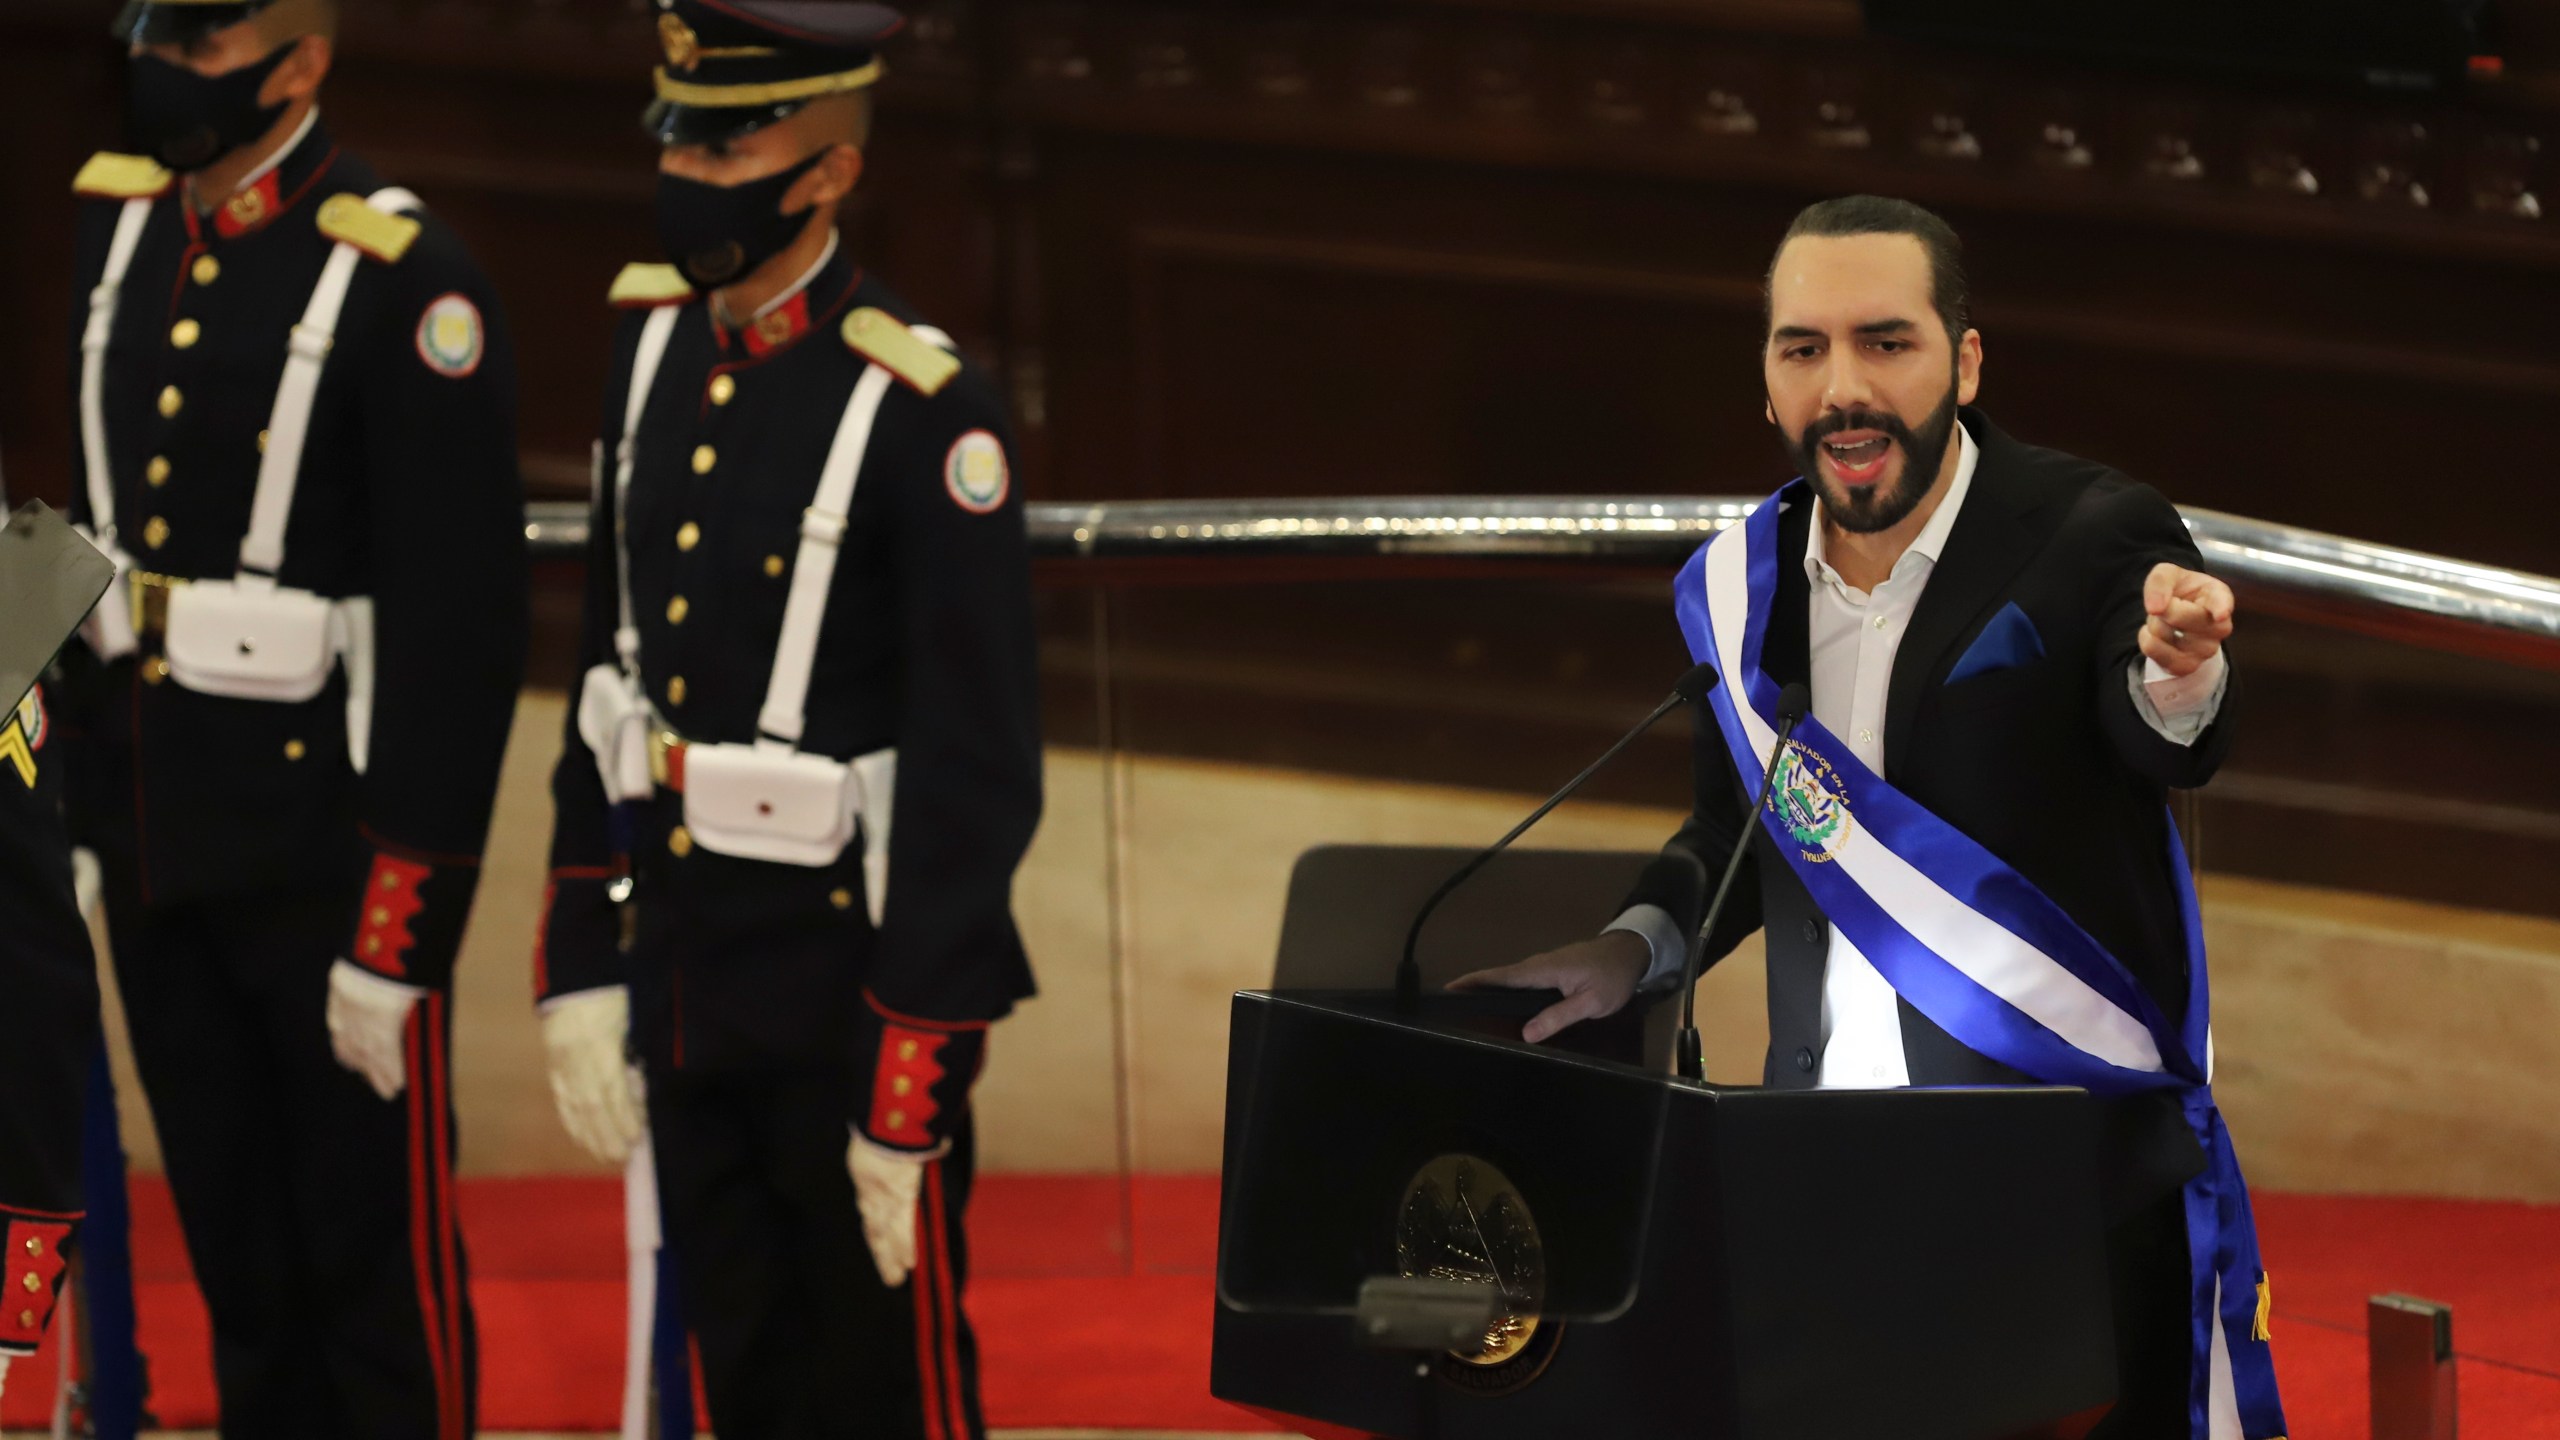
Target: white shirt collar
x=1932, y=539
x=834, y=238
x=291, y=144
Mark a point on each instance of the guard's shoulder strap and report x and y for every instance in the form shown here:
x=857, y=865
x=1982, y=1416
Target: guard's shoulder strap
x=646, y=287
x=372, y=226
x=880, y=338
x=109, y=176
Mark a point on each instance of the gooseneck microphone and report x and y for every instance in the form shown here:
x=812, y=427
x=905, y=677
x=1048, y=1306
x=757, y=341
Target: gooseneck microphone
x=1793, y=702
x=1699, y=680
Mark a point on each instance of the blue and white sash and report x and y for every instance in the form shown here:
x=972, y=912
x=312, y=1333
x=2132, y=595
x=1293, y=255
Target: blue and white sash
x=1988, y=957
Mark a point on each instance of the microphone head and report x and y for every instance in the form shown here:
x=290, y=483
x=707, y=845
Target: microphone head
x=1794, y=702
x=1699, y=680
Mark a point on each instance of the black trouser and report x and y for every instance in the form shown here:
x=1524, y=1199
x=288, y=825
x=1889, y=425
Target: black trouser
x=2147, y=1269
x=319, y=1216
x=797, y=1336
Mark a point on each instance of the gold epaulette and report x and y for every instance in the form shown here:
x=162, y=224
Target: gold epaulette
x=877, y=336
x=346, y=219
x=646, y=287
x=109, y=176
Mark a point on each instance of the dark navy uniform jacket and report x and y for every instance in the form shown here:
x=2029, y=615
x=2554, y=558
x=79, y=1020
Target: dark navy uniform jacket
x=927, y=646
x=408, y=493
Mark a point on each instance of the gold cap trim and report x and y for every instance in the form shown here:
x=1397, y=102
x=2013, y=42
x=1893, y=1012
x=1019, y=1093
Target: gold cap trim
x=773, y=92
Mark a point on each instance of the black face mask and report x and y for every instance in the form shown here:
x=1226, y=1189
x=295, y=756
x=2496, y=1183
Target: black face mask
x=187, y=121
x=719, y=233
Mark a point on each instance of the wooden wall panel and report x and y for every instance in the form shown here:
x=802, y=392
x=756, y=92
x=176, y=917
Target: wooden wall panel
x=1419, y=246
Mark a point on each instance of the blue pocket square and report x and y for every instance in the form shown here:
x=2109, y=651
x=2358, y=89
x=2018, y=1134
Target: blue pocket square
x=2010, y=640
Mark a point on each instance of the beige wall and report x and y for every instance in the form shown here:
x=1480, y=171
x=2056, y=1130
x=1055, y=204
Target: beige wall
x=2365, y=1045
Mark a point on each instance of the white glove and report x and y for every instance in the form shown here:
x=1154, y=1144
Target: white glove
x=886, y=1183
x=88, y=882
x=367, y=1018
x=598, y=1093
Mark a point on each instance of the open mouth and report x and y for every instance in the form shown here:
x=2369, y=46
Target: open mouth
x=1857, y=457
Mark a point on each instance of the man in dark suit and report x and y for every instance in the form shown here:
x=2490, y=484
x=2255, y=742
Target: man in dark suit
x=2021, y=642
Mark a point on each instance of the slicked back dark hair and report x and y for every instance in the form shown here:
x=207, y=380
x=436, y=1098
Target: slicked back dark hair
x=1884, y=215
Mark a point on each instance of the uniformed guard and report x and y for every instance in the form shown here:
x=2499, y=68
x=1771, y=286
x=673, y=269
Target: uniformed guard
x=297, y=439
x=49, y=991
x=811, y=694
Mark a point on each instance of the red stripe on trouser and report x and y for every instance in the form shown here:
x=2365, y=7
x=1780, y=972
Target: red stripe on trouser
x=938, y=1226
x=421, y=1246
x=928, y=1377
x=448, y=1226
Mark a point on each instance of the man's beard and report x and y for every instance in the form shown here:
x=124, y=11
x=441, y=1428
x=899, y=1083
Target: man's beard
x=1865, y=510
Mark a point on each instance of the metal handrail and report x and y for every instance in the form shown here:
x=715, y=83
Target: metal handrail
x=2506, y=615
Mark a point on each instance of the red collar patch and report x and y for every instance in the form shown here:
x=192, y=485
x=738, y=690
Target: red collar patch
x=250, y=207
x=778, y=327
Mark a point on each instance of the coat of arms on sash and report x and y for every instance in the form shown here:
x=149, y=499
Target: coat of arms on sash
x=1812, y=802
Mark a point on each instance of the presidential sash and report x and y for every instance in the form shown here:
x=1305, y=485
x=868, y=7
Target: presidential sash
x=1988, y=957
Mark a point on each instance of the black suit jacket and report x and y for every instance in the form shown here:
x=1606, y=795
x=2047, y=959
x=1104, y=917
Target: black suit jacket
x=2049, y=765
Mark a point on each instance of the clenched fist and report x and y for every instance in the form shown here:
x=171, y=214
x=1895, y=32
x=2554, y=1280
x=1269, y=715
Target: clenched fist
x=2189, y=616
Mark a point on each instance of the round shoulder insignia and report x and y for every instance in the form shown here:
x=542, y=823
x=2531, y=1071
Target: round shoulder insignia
x=32, y=719
x=976, y=472
x=450, y=337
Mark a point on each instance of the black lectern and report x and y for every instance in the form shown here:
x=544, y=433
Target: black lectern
x=1672, y=1260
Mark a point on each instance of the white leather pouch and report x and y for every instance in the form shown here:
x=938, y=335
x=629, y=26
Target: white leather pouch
x=108, y=628
x=613, y=718
x=754, y=803
x=249, y=640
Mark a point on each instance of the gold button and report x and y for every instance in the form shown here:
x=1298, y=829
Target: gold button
x=156, y=670
x=373, y=944
x=773, y=566
x=841, y=899
x=680, y=842
x=157, y=472
x=675, y=690
x=171, y=402
x=902, y=1085
x=262, y=442
x=31, y=1282
x=724, y=389
x=897, y=1119
x=906, y=1049
x=677, y=609
x=156, y=533
x=390, y=882
x=35, y=1246
x=27, y=1319
x=704, y=457
x=207, y=270
x=185, y=334
x=688, y=535
x=381, y=915
x=295, y=750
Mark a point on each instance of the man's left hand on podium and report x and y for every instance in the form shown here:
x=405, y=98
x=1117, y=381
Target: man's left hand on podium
x=1597, y=977
x=2189, y=615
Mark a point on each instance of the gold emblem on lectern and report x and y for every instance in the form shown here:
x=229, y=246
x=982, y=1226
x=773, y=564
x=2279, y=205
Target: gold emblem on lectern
x=1462, y=1219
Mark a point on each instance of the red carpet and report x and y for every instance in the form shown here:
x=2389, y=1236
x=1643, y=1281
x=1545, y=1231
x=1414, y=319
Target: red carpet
x=1082, y=1328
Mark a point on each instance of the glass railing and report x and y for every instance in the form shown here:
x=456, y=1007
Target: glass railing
x=1227, y=684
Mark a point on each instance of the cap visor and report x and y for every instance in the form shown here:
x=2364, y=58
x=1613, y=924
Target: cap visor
x=676, y=123
x=144, y=23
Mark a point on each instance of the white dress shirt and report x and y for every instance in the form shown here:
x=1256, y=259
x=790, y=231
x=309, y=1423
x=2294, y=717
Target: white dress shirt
x=1854, y=635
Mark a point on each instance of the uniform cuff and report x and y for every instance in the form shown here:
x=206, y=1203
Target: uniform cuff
x=31, y=1272
x=920, y=1074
